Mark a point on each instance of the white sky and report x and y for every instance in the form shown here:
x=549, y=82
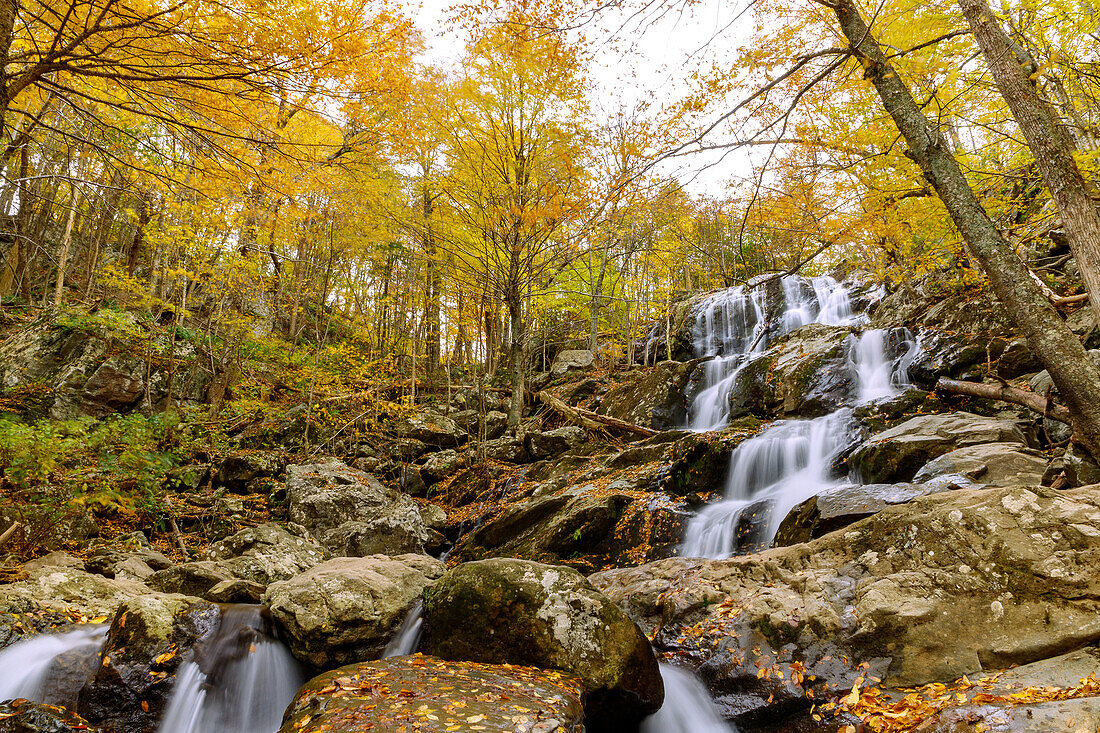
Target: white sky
x=653, y=69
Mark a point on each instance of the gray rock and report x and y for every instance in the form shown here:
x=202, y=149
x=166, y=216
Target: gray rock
x=351, y=512
x=235, y=590
x=24, y=716
x=552, y=443
x=237, y=471
x=506, y=611
x=442, y=465
x=898, y=453
x=346, y=610
x=1080, y=468
x=507, y=449
x=190, y=578
x=432, y=429
x=954, y=583
x=266, y=553
x=991, y=464
x=57, y=559
x=653, y=398
x=1041, y=382
x=572, y=360
x=68, y=589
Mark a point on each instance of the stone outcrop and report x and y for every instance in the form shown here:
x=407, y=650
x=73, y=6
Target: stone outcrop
x=505, y=611
x=653, y=398
x=352, y=513
x=345, y=610
x=264, y=554
x=949, y=584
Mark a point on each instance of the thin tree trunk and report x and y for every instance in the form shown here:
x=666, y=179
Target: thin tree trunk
x=63, y=250
x=515, y=328
x=1047, y=141
x=1048, y=336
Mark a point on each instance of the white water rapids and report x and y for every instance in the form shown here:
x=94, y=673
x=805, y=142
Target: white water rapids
x=791, y=460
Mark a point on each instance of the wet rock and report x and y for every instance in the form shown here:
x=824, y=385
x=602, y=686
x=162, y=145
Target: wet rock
x=24, y=716
x=808, y=370
x=266, y=553
x=346, y=609
x=954, y=583
x=237, y=471
x=898, y=453
x=991, y=464
x=505, y=611
x=653, y=398
x=572, y=360
x=550, y=443
x=351, y=512
x=143, y=650
x=436, y=696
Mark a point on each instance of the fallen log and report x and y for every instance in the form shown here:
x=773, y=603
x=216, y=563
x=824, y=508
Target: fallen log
x=590, y=420
x=1005, y=393
x=9, y=532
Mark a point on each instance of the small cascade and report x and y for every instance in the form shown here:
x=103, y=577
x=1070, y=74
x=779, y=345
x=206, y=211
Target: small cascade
x=240, y=680
x=687, y=709
x=877, y=375
x=25, y=667
x=769, y=474
x=407, y=637
x=735, y=324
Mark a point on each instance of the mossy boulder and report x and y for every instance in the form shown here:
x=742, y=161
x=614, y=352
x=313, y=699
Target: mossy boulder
x=431, y=695
x=505, y=611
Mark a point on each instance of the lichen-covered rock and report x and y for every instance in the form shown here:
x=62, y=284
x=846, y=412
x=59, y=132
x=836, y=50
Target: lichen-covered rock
x=345, y=610
x=24, y=716
x=266, y=553
x=442, y=465
x=237, y=471
x=68, y=589
x=129, y=557
x=949, y=584
x=505, y=611
x=432, y=695
x=144, y=646
x=898, y=453
x=351, y=512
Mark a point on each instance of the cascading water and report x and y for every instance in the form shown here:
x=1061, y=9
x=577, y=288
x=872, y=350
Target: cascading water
x=407, y=637
x=791, y=460
x=25, y=667
x=770, y=474
x=687, y=709
x=240, y=680
x=735, y=325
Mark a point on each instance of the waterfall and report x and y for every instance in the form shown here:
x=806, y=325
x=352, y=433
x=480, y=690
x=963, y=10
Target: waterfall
x=791, y=460
x=735, y=325
x=240, y=680
x=25, y=667
x=407, y=637
x=769, y=474
x=687, y=709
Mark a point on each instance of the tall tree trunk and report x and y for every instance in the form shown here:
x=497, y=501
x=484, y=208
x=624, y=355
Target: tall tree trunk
x=63, y=250
x=431, y=296
x=515, y=330
x=1047, y=141
x=1048, y=336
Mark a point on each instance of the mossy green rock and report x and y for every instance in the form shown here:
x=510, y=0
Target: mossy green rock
x=502, y=611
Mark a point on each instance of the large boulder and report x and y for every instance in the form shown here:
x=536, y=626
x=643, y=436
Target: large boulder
x=262, y=554
x=898, y=453
x=442, y=465
x=190, y=578
x=653, y=398
x=572, y=360
x=129, y=557
x=238, y=472
x=143, y=650
x=432, y=429
x=808, y=372
x=67, y=590
x=946, y=585
x=346, y=610
x=505, y=611
x=432, y=695
x=352, y=513
x=991, y=464
x=551, y=443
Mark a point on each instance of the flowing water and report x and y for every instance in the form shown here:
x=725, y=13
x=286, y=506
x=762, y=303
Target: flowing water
x=240, y=680
x=791, y=460
x=407, y=637
x=687, y=709
x=735, y=325
x=25, y=667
